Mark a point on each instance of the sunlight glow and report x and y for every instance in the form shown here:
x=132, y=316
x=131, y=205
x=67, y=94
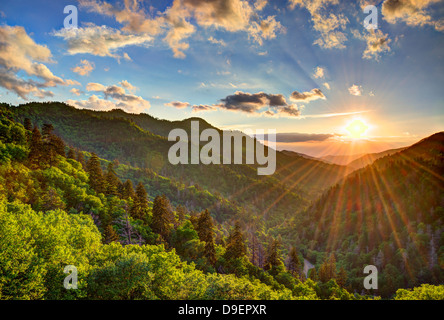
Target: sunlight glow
x=357, y=128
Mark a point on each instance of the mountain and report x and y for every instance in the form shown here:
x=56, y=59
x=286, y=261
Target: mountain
x=388, y=214
x=342, y=160
x=140, y=140
x=367, y=159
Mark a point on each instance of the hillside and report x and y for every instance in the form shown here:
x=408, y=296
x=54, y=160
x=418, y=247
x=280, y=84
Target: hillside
x=367, y=159
x=135, y=142
x=389, y=214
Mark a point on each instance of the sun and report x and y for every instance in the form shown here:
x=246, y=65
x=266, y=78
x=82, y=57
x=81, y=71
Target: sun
x=357, y=128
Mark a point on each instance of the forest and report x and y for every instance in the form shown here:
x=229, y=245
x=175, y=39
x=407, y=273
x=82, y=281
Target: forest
x=94, y=190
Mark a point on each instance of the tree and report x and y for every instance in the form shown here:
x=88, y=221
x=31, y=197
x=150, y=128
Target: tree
x=96, y=180
x=27, y=124
x=128, y=190
x=81, y=158
x=110, y=235
x=206, y=234
x=160, y=222
x=181, y=212
x=112, y=181
x=273, y=258
x=327, y=271
x=342, y=277
x=313, y=275
x=71, y=154
x=139, y=209
x=36, y=148
x=294, y=265
x=235, y=243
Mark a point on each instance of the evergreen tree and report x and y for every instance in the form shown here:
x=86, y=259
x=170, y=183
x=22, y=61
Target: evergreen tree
x=139, y=209
x=313, y=275
x=206, y=234
x=342, y=277
x=273, y=257
x=127, y=190
x=294, y=264
x=36, y=148
x=110, y=235
x=160, y=222
x=181, y=212
x=112, y=181
x=71, y=154
x=81, y=158
x=327, y=271
x=27, y=124
x=235, y=243
x=96, y=179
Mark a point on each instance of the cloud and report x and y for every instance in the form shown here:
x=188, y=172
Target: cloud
x=319, y=73
x=215, y=41
x=116, y=97
x=329, y=26
x=262, y=104
x=314, y=94
x=377, y=43
x=19, y=52
x=301, y=137
x=179, y=21
x=355, y=90
x=412, y=12
x=75, y=91
x=100, y=41
x=128, y=86
x=202, y=107
x=250, y=103
x=85, y=68
x=326, y=85
x=177, y=104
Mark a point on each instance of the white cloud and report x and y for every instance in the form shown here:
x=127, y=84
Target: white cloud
x=101, y=41
x=355, y=90
x=179, y=21
x=330, y=26
x=85, y=68
x=412, y=12
x=319, y=73
x=19, y=52
x=116, y=97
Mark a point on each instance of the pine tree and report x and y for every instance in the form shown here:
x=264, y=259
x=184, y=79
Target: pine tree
x=110, y=235
x=294, y=263
x=273, y=257
x=181, y=212
x=36, y=148
x=327, y=270
x=160, y=222
x=71, y=154
x=27, y=124
x=96, y=179
x=52, y=144
x=206, y=234
x=128, y=190
x=342, y=277
x=112, y=181
x=81, y=158
x=235, y=243
x=139, y=209
x=313, y=275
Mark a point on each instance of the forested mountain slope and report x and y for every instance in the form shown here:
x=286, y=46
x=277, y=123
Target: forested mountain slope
x=132, y=140
x=389, y=214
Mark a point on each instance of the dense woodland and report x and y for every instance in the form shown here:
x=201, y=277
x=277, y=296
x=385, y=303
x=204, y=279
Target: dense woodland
x=95, y=190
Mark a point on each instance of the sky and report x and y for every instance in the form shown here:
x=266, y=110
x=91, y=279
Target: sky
x=305, y=68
